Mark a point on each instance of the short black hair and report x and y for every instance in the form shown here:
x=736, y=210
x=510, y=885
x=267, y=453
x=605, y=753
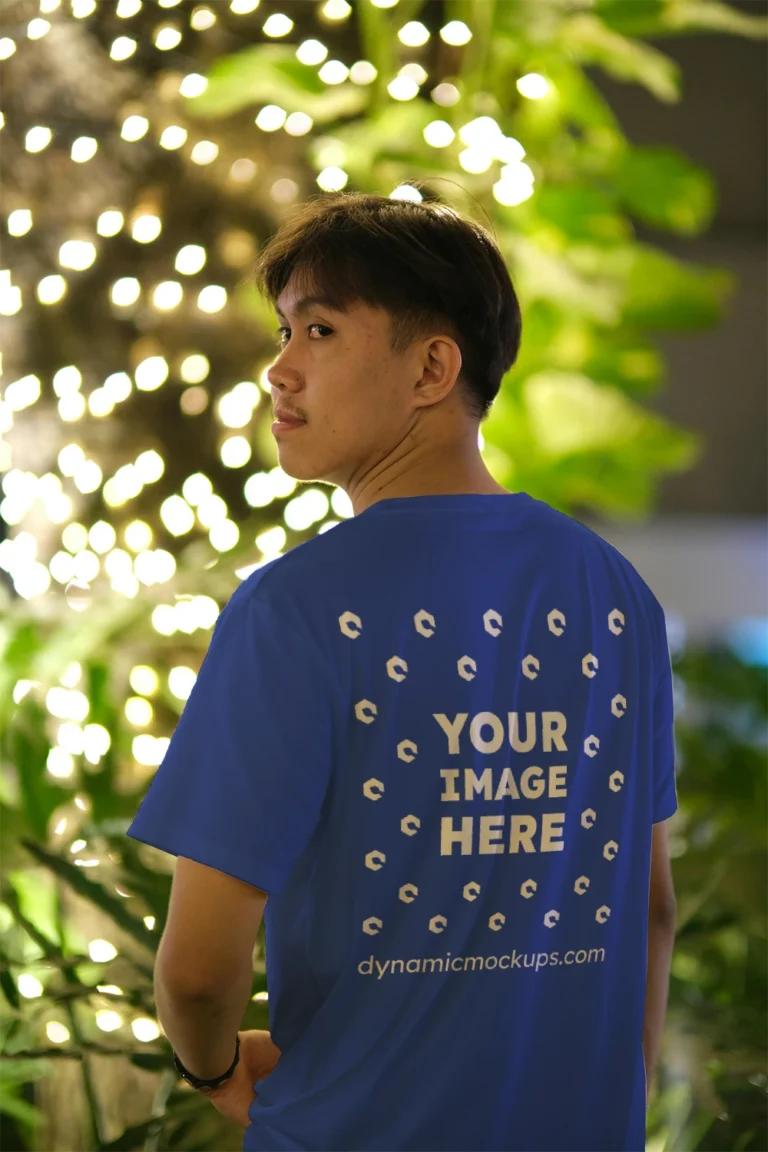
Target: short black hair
x=421, y=261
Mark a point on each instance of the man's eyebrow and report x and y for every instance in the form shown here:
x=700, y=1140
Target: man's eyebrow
x=306, y=303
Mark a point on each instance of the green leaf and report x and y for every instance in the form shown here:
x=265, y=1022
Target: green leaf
x=271, y=74
x=665, y=189
x=587, y=39
x=711, y=16
x=92, y=891
x=569, y=413
x=582, y=212
x=676, y=17
x=671, y=295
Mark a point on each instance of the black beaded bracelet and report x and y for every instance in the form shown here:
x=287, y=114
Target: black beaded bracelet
x=196, y=1082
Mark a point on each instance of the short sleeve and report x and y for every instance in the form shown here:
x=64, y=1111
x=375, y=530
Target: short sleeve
x=242, y=784
x=664, y=786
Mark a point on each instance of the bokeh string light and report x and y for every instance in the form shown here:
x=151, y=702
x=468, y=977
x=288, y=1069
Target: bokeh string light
x=87, y=529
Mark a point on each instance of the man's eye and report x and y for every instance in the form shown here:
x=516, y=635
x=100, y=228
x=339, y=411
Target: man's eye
x=287, y=331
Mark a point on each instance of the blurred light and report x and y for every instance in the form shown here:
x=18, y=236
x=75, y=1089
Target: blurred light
x=127, y=8
x=235, y=452
x=83, y=8
x=125, y=291
x=271, y=542
x=333, y=72
x=37, y=138
x=101, y=951
x=19, y=222
x=88, y=477
x=482, y=132
x=414, y=72
x=242, y=170
x=181, y=681
x=332, y=179
x=194, y=368
x=100, y=403
x=83, y=149
x=456, y=33
x=148, y=750
x=138, y=711
x=150, y=466
x=56, y=1032
x=406, y=192
x=270, y=118
x=134, y=127
x=224, y=535
x=138, y=535
x=177, y=515
x=109, y=223
x=445, y=94
x=173, y=137
x=75, y=537
x=190, y=259
x=21, y=393
x=298, y=124
x=67, y=380
x=311, y=52
x=312, y=505
x=403, y=88
x=212, y=298
x=144, y=680
x=102, y=537
x=167, y=37
x=202, y=18
x=60, y=567
x=7, y=47
x=210, y=510
x=151, y=373
x=243, y=7
x=413, y=34
x=533, y=86
x=96, y=742
x=29, y=986
x=86, y=566
x=475, y=160
x=196, y=488
x=77, y=254
x=167, y=295
x=21, y=689
x=194, y=401
x=277, y=25
x=143, y=1028
x=362, y=72
x=193, y=85
x=60, y=763
x=108, y=1021
x=146, y=228
x=336, y=10
x=439, y=134
x=118, y=386
x=70, y=458
x=38, y=28
x=51, y=289
x=341, y=504
x=204, y=152
x=122, y=48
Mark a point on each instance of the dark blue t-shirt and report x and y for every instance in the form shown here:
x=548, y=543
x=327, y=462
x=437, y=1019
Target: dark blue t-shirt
x=438, y=735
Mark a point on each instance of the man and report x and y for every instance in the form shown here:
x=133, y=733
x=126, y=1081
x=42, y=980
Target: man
x=433, y=746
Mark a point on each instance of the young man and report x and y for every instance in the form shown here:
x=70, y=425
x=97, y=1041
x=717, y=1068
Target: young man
x=434, y=746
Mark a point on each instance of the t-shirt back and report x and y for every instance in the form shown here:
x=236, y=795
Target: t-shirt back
x=438, y=735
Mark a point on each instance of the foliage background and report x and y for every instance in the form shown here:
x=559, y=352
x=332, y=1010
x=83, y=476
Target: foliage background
x=82, y=1063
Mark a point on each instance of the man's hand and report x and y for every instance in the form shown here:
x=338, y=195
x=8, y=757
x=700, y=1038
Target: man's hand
x=258, y=1056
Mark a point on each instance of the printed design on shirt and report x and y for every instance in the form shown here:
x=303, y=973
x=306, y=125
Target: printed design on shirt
x=532, y=782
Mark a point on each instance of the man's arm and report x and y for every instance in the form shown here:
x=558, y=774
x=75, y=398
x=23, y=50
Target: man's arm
x=204, y=966
x=662, y=911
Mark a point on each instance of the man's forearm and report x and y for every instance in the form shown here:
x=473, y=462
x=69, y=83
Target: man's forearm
x=661, y=943
x=202, y=1030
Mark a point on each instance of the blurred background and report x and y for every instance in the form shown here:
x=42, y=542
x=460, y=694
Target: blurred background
x=617, y=151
